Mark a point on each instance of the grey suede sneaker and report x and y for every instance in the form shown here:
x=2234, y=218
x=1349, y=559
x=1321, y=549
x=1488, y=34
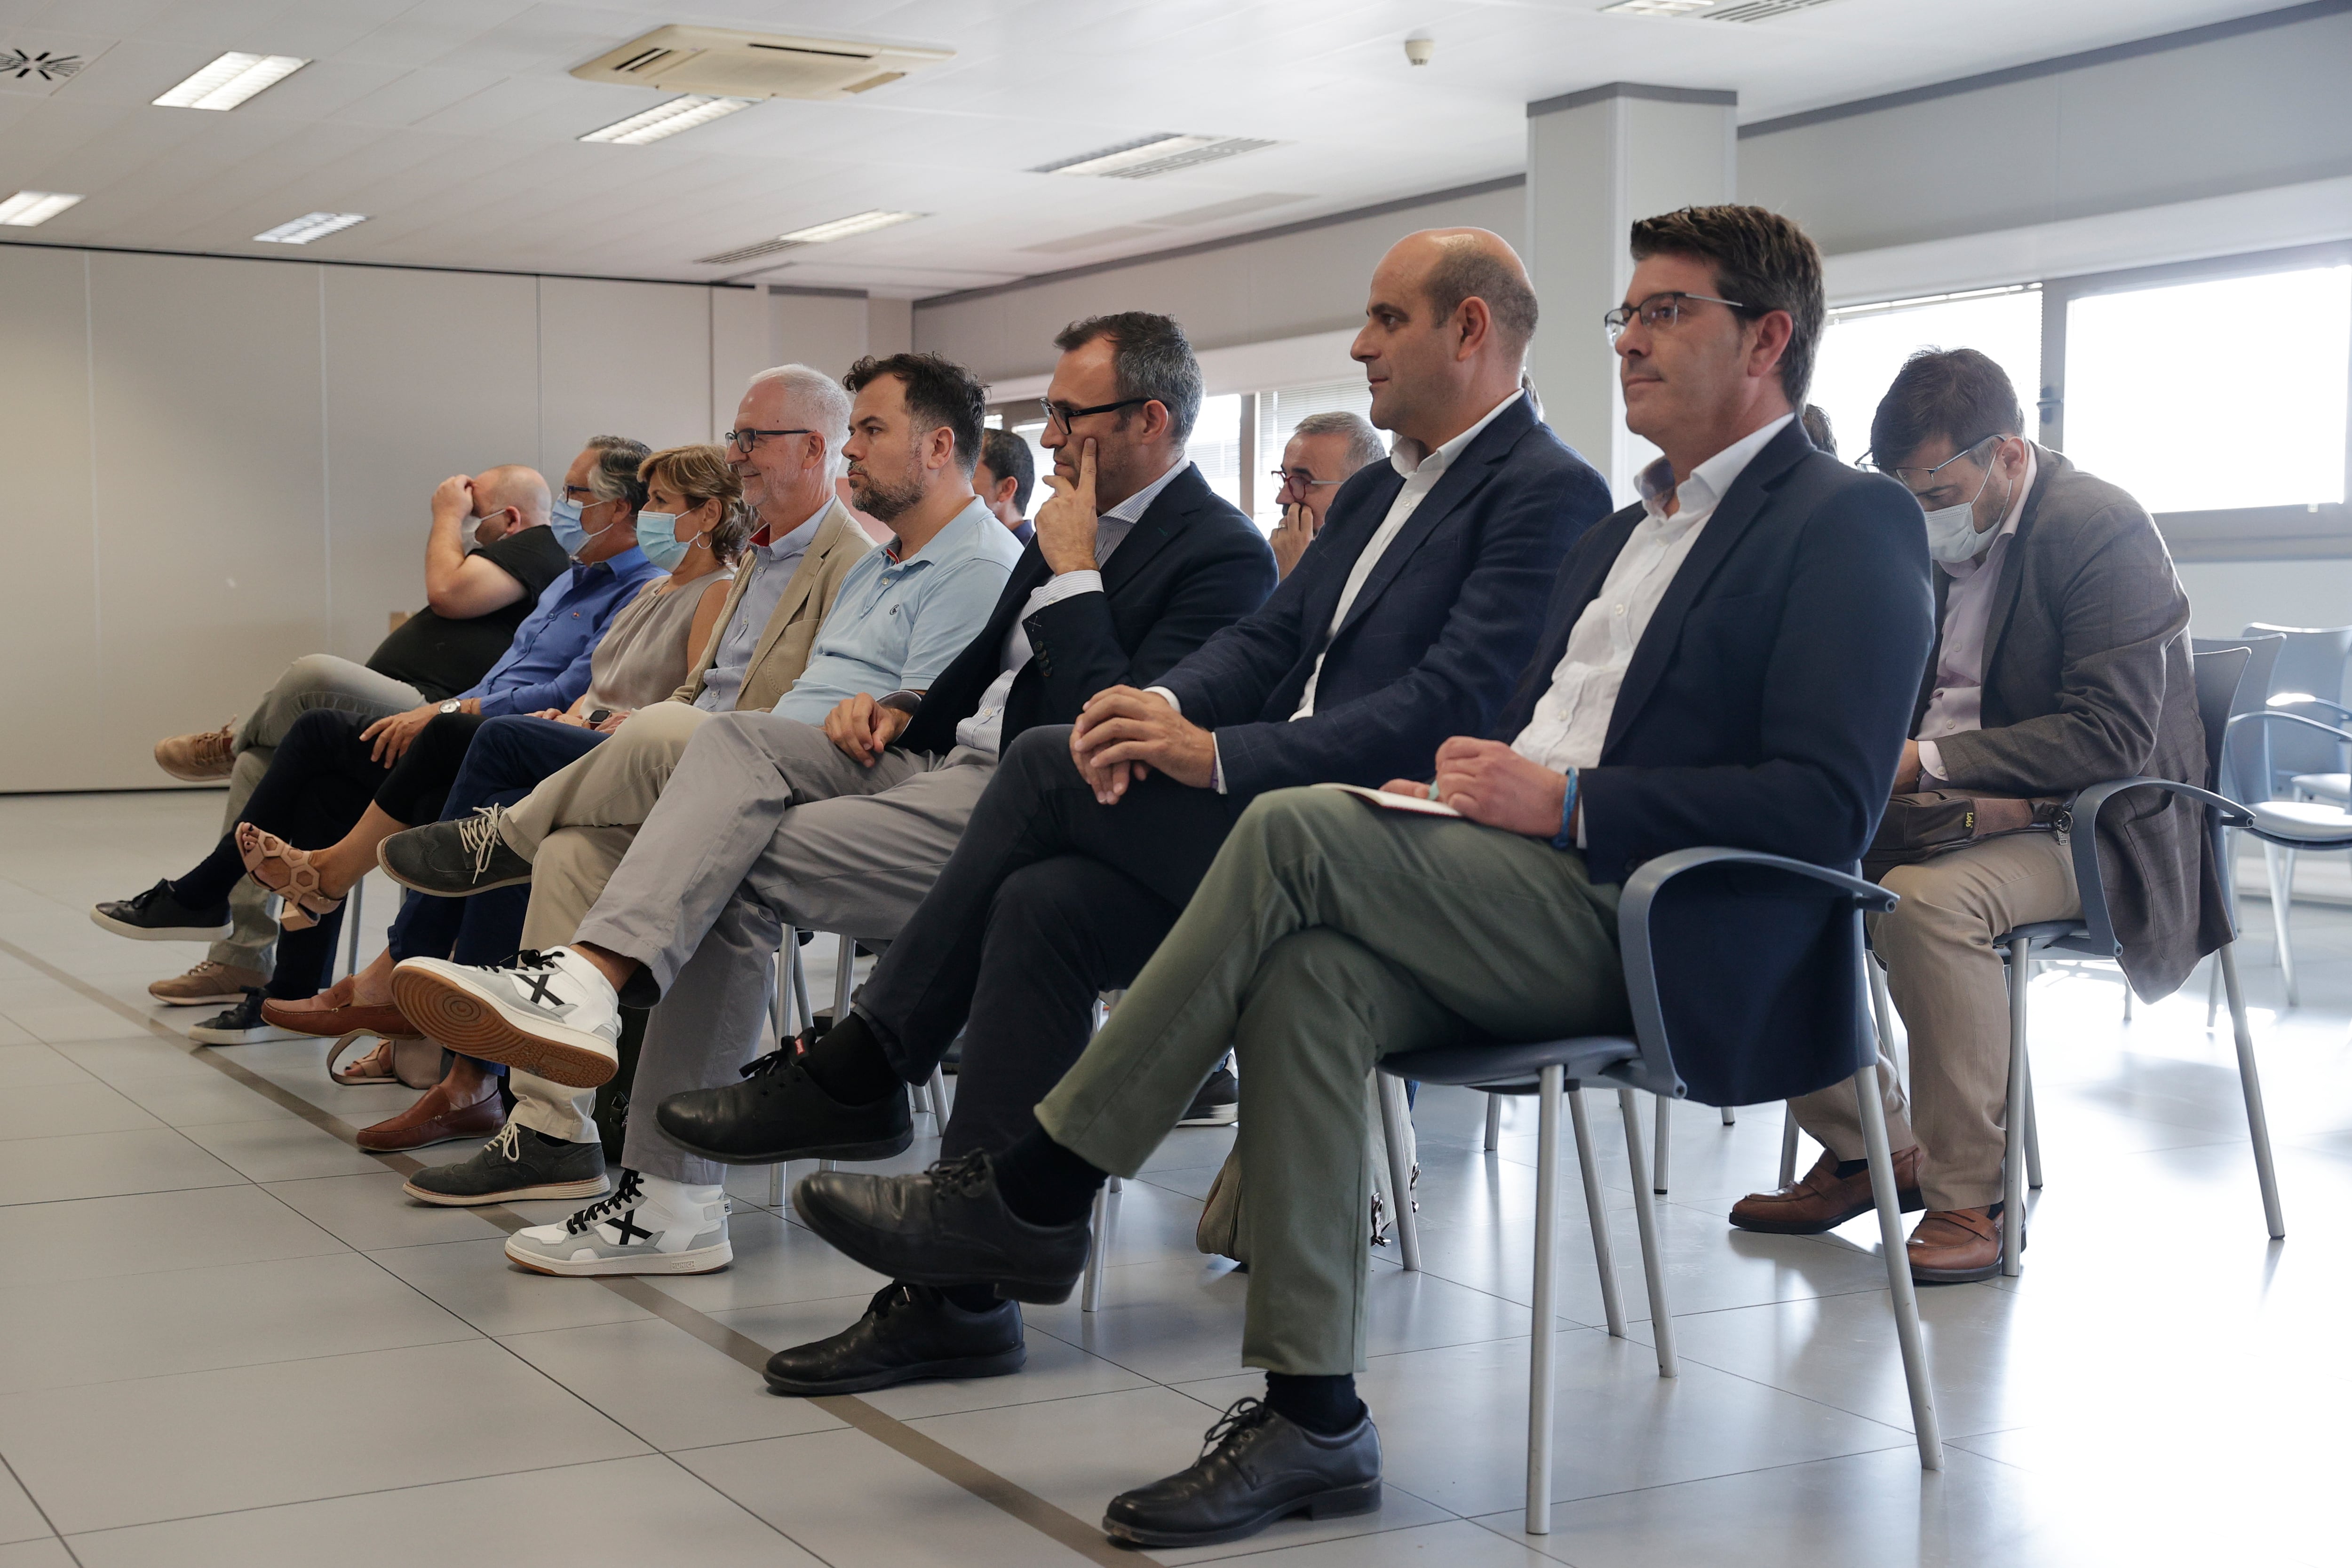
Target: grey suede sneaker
x=454, y=860
x=516, y=1165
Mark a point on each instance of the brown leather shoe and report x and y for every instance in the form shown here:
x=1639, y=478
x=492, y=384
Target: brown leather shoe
x=208, y=982
x=434, y=1119
x=333, y=1023
x=204, y=759
x=1956, y=1247
x=1823, y=1200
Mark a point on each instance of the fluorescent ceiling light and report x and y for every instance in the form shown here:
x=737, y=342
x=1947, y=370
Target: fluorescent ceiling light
x=842, y=228
x=1152, y=155
x=27, y=209
x=669, y=118
x=230, y=80
x=310, y=226
x=1659, y=7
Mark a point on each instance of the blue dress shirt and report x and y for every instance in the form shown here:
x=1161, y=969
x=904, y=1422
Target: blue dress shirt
x=896, y=625
x=546, y=665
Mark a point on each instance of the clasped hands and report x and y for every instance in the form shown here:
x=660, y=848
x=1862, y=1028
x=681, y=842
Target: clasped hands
x=1492, y=786
x=394, y=734
x=1123, y=735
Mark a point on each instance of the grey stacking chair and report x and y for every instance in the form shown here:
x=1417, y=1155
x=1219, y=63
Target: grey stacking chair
x=2291, y=762
x=1554, y=1071
x=2240, y=778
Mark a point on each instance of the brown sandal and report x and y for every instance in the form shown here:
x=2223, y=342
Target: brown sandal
x=305, y=906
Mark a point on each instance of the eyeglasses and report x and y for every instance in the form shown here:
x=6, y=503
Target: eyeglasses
x=1300, y=478
x=744, y=440
x=1061, y=416
x=1922, y=481
x=1658, y=311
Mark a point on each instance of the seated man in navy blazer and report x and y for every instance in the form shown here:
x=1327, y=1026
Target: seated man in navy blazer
x=1409, y=618
x=1730, y=662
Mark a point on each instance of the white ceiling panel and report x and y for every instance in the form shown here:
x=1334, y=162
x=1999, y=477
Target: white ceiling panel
x=453, y=123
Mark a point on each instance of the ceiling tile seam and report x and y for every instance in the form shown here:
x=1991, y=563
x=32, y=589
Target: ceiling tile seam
x=380, y=266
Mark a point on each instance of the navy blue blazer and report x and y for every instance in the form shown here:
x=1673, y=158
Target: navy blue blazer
x=1191, y=565
x=1765, y=708
x=1436, y=638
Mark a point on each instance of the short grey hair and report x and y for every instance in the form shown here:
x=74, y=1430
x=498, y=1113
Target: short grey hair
x=615, y=476
x=822, y=402
x=1151, y=358
x=1364, y=442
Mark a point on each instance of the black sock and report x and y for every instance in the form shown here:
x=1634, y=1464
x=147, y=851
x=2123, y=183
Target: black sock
x=1846, y=1168
x=1325, y=1406
x=848, y=1063
x=1044, y=1183
x=973, y=1298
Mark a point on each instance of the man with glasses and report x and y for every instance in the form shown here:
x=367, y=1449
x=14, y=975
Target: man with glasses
x=2062, y=661
x=1323, y=453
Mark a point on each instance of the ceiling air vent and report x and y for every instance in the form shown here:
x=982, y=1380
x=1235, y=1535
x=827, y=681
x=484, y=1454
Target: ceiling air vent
x=1151, y=155
x=749, y=252
x=725, y=63
x=1759, y=10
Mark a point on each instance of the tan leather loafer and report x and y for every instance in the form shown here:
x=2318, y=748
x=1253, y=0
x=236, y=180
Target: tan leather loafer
x=435, y=1120
x=1823, y=1200
x=208, y=982
x=1956, y=1247
x=203, y=759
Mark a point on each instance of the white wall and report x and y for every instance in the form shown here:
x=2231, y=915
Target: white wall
x=219, y=464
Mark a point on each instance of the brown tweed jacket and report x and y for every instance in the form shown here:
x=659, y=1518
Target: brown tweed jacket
x=2087, y=678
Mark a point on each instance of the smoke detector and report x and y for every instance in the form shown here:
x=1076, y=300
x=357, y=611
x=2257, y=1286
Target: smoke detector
x=1418, y=50
x=721, y=63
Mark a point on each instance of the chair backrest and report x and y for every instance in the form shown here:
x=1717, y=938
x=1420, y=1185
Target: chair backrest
x=2312, y=660
x=2242, y=772
x=2221, y=685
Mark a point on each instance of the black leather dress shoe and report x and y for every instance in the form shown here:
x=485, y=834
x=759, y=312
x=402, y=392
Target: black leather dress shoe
x=945, y=1227
x=1257, y=1467
x=909, y=1333
x=778, y=1113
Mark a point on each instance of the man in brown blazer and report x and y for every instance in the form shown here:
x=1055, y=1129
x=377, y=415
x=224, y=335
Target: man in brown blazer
x=2061, y=660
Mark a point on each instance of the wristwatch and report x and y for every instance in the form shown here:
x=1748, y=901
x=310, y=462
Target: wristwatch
x=455, y=705
x=598, y=716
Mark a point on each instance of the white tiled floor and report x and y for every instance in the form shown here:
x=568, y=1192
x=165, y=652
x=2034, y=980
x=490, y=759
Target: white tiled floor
x=226, y=1338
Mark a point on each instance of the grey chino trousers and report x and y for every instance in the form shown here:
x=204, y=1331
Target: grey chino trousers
x=312, y=681
x=1329, y=933
x=766, y=823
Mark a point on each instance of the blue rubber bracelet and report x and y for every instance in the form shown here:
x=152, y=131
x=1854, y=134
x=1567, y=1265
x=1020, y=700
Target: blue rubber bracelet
x=1567, y=839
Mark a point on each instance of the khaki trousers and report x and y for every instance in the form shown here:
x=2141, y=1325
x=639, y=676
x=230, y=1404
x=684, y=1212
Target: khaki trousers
x=1948, y=982
x=1328, y=934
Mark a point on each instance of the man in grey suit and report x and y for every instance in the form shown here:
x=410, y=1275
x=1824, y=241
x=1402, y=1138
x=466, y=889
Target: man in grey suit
x=2061, y=661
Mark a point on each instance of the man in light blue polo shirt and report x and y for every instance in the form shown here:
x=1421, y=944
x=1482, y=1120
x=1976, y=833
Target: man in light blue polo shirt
x=904, y=612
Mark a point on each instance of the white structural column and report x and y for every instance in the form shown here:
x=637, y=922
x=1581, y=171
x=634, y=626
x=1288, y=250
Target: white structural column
x=1597, y=161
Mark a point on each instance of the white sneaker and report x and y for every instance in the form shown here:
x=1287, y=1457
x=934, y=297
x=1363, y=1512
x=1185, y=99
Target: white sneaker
x=650, y=1226
x=550, y=1013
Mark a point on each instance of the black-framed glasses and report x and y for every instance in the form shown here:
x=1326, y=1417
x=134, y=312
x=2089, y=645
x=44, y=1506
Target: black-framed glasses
x=1922, y=481
x=1300, y=478
x=744, y=440
x=1061, y=417
x=1659, y=311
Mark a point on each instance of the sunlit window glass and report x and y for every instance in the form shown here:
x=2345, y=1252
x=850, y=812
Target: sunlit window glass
x=1866, y=345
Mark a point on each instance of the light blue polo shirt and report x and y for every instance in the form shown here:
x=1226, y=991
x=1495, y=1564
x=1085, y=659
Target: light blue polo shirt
x=896, y=623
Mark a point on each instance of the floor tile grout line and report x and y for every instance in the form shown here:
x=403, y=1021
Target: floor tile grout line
x=1066, y=1528
x=55, y=1533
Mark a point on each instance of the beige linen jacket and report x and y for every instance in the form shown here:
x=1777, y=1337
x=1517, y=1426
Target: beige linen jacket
x=783, y=651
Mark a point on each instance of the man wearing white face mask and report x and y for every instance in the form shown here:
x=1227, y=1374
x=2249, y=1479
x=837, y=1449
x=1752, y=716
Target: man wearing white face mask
x=2062, y=661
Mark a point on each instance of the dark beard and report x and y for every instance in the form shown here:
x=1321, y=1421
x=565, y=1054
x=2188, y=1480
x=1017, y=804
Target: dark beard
x=885, y=503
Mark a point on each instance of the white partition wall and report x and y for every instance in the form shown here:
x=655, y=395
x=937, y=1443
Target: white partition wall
x=218, y=465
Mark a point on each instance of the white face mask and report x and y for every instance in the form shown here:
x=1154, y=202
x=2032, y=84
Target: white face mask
x=1952, y=536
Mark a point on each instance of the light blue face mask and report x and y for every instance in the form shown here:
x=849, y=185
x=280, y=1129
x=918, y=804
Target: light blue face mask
x=563, y=520
x=658, y=537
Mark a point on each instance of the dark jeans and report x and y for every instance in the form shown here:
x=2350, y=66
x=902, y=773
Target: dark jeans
x=1049, y=898
x=413, y=791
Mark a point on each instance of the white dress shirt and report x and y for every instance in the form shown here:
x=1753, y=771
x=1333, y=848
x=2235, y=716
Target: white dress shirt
x=1957, y=702
x=984, y=729
x=1571, y=718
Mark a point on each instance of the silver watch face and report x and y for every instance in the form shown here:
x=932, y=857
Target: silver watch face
x=453, y=704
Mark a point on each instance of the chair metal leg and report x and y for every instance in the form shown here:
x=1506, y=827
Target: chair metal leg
x=1596, y=1214
x=1393, y=1112
x=2033, y=1126
x=801, y=998
x=1494, y=1121
x=2213, y=992
x=844, y=976
x=2128, y=1015
x=1882, y=1010
x=1729, y=1118
x=2282, y=895
x=352, y=904
x=776, y=1184
x=1665, y=1127
x=1789, y=1146
x=1545, y=1329
x=1090, y=1292
x=1645, y=1217
x=1899, y=1288
x=2250, y=1080
x=2012, y=1165
x=938, y=1088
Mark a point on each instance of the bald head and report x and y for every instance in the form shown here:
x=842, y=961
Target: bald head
x=512, y=485
x=1445, y=330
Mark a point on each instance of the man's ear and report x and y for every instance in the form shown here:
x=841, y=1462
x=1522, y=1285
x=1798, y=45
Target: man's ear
x=1475, y=323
